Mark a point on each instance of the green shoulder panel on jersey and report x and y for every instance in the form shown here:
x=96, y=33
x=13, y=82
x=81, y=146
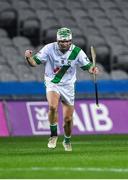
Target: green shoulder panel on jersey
x=86, y=67
x=74, y=53
x=64, y=68
x=36, y=59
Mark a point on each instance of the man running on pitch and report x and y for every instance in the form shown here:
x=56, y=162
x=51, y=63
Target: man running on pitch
x=60, y=59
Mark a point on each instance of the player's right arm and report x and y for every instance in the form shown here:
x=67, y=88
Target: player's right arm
x=38, y=58
x=29, y=58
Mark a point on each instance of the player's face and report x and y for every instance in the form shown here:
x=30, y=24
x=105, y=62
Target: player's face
x=64, y=45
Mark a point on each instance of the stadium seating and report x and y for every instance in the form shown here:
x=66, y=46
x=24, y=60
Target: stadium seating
x=3, y=33
x=20, y=4
x=38, y=4
x=118, y=74
x=31, y=24
x=8, y=76
x=56, y=4
x=8, y=17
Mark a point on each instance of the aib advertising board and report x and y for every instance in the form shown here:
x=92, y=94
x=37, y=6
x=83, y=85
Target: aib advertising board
x=31, y=118
x=3, y=123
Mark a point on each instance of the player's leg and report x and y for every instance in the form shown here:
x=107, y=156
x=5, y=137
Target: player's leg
x=53, y=101
x=68, y=122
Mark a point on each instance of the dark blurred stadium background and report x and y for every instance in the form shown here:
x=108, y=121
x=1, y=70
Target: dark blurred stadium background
x=30, y=24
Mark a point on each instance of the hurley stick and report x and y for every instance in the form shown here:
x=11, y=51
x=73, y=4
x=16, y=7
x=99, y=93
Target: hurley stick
x=93, y=54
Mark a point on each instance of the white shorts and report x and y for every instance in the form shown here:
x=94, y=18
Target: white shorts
x=66, y=92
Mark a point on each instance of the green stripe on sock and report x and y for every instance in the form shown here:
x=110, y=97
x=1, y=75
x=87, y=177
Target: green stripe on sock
x=67, y=139
x=53, y=129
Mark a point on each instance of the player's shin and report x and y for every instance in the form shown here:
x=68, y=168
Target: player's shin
x=53, y=119
x=53, y=128
x=67, y=136
x=67, y=130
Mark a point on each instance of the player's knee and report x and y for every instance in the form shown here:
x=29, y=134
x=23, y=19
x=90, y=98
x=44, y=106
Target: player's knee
x=52, y=108
x=68, y=119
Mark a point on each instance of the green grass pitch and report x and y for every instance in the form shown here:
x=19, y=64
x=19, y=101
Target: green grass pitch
x=93, y=156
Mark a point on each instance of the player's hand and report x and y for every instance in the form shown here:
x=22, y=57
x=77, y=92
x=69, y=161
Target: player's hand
x=94, y=70
x=28, y=53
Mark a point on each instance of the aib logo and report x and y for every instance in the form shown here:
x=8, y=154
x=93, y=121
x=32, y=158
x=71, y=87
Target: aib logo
x=38, y=116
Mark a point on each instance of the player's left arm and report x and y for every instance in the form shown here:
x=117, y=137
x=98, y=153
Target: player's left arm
x=86, y=64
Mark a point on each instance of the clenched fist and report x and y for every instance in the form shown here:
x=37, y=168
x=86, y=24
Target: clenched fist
x=28, y=53
x=94, y=70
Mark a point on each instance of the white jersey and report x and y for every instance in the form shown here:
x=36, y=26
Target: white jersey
x=54, y=60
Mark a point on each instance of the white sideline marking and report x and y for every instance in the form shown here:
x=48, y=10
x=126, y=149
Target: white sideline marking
x=83, y=142
x=80, y=169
